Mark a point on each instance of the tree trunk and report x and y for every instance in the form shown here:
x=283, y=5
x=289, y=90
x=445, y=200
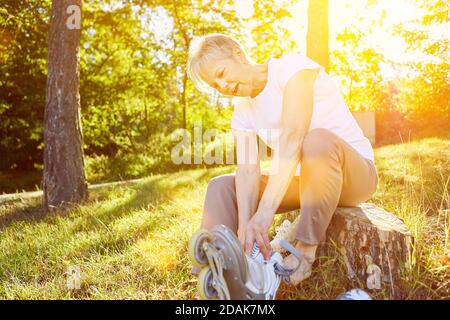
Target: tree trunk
x=183, y=101
x=317, y=35
x=63, y=178
x=374, y=244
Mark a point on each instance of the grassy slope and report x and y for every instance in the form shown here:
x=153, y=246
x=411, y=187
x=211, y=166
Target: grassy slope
x=130, y=240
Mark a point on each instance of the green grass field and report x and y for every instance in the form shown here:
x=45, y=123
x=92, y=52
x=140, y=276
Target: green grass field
x=130, y=241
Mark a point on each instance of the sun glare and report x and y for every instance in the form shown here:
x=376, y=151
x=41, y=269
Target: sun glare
x=375, y=20
x=244, y=8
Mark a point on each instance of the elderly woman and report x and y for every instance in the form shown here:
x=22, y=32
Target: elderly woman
x=294, y=97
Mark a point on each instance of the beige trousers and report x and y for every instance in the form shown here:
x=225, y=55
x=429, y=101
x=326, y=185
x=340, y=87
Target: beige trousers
x=332, y=174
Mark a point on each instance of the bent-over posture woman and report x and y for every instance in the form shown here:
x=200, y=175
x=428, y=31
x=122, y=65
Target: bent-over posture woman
x=293, y=105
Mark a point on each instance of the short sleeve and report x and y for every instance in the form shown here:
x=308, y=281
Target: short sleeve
x=240, y=119
x=289, y=65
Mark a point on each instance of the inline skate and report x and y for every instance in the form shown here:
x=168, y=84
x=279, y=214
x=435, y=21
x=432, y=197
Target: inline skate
x=228, y=273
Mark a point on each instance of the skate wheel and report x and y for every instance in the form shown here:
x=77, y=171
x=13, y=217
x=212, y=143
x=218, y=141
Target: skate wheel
x=205, y=288
x=195, y=250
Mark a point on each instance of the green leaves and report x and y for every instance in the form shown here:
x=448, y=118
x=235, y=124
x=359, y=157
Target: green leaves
x=132, y=67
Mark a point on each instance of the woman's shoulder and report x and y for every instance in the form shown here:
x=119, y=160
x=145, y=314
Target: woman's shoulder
x=289, y=64
x=292, y=56
x=297, y=60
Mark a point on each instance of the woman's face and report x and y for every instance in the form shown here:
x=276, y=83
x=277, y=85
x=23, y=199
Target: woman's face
x=228, y=76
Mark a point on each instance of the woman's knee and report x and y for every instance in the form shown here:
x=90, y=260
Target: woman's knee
x=220, y=203
x=319, y=143
x=221, y=185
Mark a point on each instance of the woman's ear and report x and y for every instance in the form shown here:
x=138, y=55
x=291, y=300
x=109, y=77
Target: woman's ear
x=239, y=54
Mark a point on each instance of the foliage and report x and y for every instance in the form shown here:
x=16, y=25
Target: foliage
x=23, y=32
x=426, y=95
x=134, y=89
x=416, y=102
x=270, y=37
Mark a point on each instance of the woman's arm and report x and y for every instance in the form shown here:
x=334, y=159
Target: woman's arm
x=247, y=179
x=296, y=119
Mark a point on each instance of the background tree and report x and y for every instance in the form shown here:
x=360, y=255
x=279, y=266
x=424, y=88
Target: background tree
x=269, y=36
x=134, y=91
x=426, y=90
x=63, y=179
x=317, y=36
x=23, y=55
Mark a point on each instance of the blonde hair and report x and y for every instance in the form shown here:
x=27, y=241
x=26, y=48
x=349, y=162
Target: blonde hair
x=209, y=48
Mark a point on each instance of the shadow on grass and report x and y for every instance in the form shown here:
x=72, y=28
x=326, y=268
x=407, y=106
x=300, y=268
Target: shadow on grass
x=147, y=192
x=96, y=220
x=12, y=212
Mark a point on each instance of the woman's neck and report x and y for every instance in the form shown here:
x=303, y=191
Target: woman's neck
x=260, y=76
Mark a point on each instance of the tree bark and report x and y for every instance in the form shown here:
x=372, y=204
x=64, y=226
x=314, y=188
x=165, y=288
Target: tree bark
x=183, y=101
x=63, y=178
x=374, y=244
x=317, y=35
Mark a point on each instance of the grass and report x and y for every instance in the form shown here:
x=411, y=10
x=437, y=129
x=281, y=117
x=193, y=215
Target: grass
x=130, y=241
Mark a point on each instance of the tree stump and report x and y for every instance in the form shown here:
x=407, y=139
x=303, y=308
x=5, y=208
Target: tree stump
x=374, y=244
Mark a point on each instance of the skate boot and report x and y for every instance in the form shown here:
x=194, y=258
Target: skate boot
x=228, y=273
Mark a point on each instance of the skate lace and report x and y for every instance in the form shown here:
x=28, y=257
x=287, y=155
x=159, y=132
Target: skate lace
x=282, y=229
x=274, y=284
x=282, y=232
x=276, y=260
x=256, y=253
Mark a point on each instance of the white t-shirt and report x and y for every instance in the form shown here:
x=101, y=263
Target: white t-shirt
x=262, y=114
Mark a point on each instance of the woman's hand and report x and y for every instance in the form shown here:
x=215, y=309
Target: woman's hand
x=258, y=230
x=241, y=233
